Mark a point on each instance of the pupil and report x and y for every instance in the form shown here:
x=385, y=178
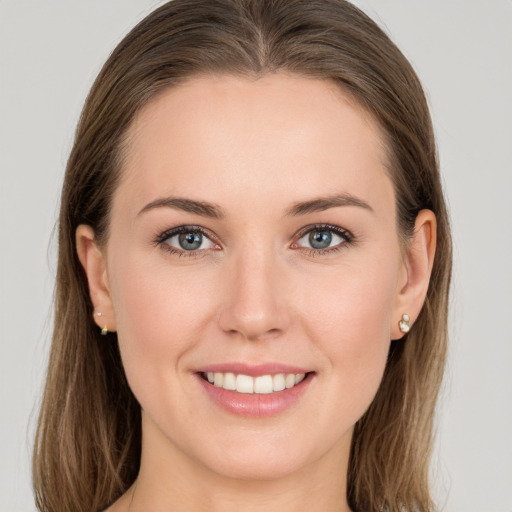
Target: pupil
x=320, y=239
x=190, y=241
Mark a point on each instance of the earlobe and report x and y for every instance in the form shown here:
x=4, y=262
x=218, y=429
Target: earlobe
x=418, y=263
x=93, y=262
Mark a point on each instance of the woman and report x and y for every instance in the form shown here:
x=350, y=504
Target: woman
x=254, y=264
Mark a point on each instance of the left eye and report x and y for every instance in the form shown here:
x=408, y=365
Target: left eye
x=189, y=241
x=321, y=238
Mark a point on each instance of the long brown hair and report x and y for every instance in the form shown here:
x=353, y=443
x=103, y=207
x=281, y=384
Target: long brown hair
x=87, y=449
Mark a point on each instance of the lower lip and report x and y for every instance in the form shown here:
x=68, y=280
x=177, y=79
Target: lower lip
x=256, y=405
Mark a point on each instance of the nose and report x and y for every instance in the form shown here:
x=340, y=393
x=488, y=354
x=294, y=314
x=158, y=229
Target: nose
x=254, y=305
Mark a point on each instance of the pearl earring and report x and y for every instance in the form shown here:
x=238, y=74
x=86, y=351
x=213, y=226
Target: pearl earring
x=404, y=324
x=104, y=330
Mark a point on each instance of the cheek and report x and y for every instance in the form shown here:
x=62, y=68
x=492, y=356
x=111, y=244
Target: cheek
x=350, y=319
x=159, y=312
x=354, y=302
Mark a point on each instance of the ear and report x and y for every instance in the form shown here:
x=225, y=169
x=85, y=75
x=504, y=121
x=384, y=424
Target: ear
x=93, y=261
x=417, y=268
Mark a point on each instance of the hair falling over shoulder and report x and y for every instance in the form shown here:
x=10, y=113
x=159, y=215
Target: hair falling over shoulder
x=88, y=443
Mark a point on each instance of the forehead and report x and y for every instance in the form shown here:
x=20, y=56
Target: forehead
x=227, y=135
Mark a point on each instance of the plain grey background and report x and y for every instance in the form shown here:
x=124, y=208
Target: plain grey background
x=50, y=52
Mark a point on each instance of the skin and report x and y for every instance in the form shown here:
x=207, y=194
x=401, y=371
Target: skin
x=258, y=293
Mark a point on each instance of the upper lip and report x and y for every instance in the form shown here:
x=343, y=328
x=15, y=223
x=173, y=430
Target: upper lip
x=253, y=370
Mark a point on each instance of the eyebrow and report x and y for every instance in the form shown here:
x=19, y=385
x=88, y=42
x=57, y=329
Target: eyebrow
x=211, y=210
x=202, y=208
x=324, y=203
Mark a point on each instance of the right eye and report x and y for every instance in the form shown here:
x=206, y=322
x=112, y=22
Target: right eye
x=185, y=239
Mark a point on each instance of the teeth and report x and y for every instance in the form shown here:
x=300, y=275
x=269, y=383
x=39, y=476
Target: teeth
x=218, y=379
x=279, y=382
x=244, y=384
x=229, y=381
x=264, y=384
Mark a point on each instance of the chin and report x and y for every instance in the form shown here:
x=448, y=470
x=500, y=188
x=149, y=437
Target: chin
x=272, y=458
x=265, y=467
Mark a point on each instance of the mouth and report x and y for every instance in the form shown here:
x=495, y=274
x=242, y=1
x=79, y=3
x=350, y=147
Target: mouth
x=255, y=390
x=260, y=385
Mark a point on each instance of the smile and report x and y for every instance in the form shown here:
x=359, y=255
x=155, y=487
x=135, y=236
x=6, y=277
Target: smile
x=263, y=384
x=255, y=391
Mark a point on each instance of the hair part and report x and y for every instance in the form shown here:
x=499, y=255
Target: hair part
x=88, y=442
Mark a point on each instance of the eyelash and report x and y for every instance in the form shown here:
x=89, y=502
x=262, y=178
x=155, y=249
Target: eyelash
x=161, y=239
x=346, y=235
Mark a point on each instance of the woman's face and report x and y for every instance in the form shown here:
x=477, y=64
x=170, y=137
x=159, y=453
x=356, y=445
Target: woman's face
x=253, y=233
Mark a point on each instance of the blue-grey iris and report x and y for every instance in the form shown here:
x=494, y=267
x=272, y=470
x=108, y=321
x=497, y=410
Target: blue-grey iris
x=190, y=241
x=320, y=239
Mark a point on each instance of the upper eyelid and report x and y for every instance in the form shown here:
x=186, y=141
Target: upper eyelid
x=168, y=233
x=326, y=227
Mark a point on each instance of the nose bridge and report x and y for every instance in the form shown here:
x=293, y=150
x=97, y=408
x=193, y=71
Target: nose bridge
x=254, y=305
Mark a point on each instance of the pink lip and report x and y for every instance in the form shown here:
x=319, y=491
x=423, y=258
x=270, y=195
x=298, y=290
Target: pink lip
x=252, y=370
x=256, y=405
